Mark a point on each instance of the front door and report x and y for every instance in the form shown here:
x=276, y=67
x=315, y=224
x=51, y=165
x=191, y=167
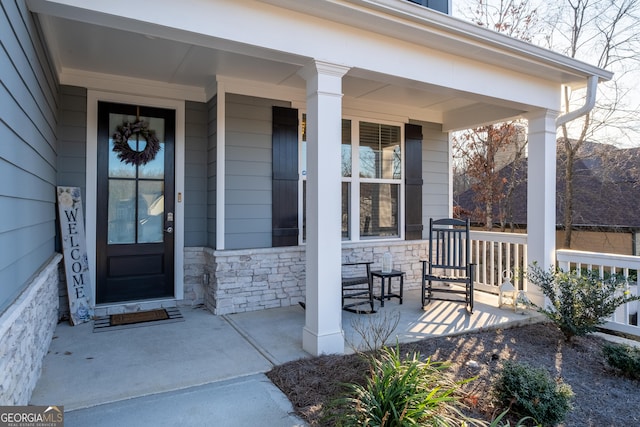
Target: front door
x=135, y=203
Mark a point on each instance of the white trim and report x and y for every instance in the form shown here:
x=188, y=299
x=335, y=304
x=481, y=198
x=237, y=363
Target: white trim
x=449, y=177
x=301, y=178
x=259, y=89
x=355, y=180
x=427, y=27
x=92, y=176
x=131, y=86
x=220, y=165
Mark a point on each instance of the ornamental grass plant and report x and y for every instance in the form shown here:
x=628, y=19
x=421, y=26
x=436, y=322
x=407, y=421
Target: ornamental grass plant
x=401, y=392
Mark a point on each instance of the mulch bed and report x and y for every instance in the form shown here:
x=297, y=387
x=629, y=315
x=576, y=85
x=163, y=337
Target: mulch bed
x=602, y=397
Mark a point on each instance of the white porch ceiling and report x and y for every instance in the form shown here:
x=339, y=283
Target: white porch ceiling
x=78, y=47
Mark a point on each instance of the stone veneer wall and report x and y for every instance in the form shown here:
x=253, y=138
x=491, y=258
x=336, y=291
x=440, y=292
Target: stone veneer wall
x=26, y=330
x=256, y=279
x=195, y=268
x=407, y=256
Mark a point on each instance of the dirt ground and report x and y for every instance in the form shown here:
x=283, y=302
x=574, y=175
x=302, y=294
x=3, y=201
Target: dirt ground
x=602, y=398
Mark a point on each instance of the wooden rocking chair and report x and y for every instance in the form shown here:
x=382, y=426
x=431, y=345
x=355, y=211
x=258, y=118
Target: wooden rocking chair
x=448, y=274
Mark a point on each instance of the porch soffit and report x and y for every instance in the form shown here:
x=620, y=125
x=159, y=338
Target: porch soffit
x=100, y=43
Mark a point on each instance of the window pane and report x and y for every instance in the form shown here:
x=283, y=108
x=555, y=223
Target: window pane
x=154, y=168
x=379, y=210
x=150, y=211
x=380, y=151
x=346, y=196
x=118, y=168
x=122, y=211
x=346, y=148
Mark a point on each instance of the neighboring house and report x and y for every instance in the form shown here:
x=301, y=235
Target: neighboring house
x=254, y=103
x=606, y=198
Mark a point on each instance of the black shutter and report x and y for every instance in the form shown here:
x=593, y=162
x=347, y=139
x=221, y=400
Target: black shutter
x=284, y=196
x=413, y=181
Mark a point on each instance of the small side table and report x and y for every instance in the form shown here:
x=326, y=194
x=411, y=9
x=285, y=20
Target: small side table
x=388, y=277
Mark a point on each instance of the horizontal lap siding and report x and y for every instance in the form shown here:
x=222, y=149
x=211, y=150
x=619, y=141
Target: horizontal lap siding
x=28, y=121
x=436, y=201
x=72, y=139
x=248, y=171
x=212, y=146
x=195, y=197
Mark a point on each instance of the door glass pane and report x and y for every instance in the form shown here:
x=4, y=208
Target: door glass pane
x=122, y=211
x=118, y=168
x=379, y=210
x=150, y=211
x=136, y=192
x=154, y=168
x=380, y=151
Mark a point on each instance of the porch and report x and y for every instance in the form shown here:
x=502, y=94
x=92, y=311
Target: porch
x=93, y=374
x=258, y=279
x=89, y=370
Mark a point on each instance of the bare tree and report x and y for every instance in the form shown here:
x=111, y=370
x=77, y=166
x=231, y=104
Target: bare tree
x=515, y=18
x=602, y=32
x=479, y=150
x=482, y=153
x=605, y=33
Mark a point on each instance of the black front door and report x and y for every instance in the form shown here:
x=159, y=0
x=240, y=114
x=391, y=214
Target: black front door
x=135, y=212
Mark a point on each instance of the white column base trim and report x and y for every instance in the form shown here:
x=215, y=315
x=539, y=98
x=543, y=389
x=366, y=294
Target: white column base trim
x=332, y=343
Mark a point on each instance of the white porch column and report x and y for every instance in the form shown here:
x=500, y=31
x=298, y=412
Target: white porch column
x=541, y=194
x=322, y=333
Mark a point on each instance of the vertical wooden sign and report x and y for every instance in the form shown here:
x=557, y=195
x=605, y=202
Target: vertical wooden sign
x=74, y=247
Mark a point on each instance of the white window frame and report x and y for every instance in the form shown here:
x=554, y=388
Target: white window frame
x=355, y=180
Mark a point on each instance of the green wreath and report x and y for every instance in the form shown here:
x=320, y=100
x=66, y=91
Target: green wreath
x=129, y=155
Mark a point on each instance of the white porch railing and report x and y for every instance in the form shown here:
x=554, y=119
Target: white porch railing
x=625, y=318
x=495, y=254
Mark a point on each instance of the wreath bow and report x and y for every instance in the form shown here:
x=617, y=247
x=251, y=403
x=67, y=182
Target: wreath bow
x=129, y=155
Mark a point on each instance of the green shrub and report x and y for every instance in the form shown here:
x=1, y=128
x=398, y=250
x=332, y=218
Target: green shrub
x=409, y=392
x=624, y=358
x=530, y=392
x=579, y=302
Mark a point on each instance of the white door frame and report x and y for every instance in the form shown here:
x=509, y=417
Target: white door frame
x=91, y=199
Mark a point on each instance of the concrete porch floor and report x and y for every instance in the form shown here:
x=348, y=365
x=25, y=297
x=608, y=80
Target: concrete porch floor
x=210, y=369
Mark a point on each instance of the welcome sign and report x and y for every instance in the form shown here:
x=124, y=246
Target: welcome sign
x=74, y=247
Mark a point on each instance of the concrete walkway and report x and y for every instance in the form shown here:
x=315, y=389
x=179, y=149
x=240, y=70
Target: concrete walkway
x=209, y=370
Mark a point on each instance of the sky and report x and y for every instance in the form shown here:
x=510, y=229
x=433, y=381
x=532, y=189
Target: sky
x=461, y=9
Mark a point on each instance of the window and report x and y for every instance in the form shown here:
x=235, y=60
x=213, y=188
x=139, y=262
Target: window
x=346, y=172
x=371, y=179
x=380, y=174
x=439, y=5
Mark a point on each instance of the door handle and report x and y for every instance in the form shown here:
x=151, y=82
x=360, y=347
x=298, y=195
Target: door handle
x=169, y=230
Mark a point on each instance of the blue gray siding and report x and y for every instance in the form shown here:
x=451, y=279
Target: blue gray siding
x=436, y=200
x=248, y=171
x=72, y=139
x=28, y=121
x=212, y=147
x=195, y=188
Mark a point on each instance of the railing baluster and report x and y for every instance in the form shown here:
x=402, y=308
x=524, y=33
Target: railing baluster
x=613, y=264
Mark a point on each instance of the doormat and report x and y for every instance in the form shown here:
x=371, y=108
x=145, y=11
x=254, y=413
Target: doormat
x=137, y=319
